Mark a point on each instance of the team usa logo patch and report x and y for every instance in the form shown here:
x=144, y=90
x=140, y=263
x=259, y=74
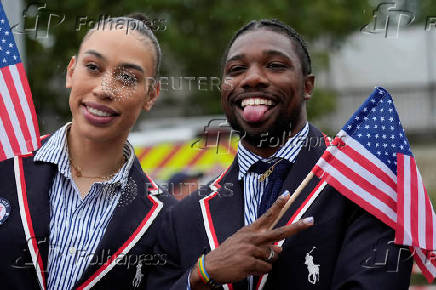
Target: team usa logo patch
x=5, y=210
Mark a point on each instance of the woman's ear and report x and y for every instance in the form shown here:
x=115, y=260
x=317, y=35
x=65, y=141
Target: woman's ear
x=152, y=95
x=70, y=69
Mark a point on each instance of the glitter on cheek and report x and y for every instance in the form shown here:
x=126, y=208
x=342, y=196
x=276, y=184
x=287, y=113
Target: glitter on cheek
x=119, y=88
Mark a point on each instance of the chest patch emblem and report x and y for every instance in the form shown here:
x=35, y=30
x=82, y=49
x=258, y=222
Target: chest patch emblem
x=312, y=268
x=5, y=210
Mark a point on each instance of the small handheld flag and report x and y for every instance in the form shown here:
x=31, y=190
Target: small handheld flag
x=370, y=162
x=19, y=132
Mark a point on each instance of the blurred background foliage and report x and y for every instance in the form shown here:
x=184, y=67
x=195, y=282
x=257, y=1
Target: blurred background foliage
x=193, y=35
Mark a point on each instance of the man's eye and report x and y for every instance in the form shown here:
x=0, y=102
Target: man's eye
x=235, y=68
x=276, y=65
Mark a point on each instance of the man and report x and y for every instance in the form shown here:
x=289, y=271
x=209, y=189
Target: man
x=220, y=237
x=82, y=212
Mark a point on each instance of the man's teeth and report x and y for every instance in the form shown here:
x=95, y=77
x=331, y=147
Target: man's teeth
x=98, y=113
x=256, y=101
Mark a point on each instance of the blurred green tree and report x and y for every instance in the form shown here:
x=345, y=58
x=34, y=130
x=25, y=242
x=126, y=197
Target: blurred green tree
x=193, y=35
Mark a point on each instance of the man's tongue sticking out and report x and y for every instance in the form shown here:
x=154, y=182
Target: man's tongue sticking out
x=254, y=113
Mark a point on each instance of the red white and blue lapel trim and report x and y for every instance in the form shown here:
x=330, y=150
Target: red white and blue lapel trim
x=129, y=244
x=116, y=258
x=26, y=220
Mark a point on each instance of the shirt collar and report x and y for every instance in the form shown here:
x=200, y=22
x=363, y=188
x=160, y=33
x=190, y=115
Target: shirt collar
x=55, y=151
x=288, y=151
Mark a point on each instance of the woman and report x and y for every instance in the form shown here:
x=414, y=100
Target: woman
x=83, y=213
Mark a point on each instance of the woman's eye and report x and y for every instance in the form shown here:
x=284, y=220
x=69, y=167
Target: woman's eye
x=127, y=78
x=92, y=67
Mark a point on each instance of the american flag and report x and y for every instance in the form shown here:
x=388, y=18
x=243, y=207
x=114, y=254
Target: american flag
x=19, y=132
x=370, y=162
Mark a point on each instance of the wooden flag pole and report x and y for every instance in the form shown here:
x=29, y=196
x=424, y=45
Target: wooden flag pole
x=293, y=198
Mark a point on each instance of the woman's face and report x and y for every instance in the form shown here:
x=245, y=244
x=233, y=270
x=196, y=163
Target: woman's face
x=110, y=83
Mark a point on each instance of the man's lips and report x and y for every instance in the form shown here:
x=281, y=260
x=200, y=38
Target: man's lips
x=255, y=108
x=257, y=98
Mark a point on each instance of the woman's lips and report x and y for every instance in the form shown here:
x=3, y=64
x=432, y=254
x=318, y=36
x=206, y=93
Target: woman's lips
x=97, y=117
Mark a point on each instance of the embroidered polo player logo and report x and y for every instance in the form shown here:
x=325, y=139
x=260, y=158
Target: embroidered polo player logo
x=138, y=275
x=313, y=269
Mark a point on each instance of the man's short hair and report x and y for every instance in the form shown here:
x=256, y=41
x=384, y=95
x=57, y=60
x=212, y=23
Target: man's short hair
x=280, y=27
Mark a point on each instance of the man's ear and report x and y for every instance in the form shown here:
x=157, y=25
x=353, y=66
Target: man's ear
x=70, y=69
x=309, y=84
x=152, y=95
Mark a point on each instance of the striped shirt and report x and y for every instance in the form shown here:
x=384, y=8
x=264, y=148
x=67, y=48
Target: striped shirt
x=253, y=188
x=77, y=224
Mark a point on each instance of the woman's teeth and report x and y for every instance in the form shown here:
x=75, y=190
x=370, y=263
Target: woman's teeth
x=98, y=113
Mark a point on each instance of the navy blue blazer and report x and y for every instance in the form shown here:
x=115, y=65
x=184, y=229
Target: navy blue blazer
x=126, y=245
x=347, y=248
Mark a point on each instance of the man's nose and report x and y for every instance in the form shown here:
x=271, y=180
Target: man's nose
x=255, y=77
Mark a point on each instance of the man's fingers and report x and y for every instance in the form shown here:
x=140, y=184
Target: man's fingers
x=285, y=231
x=260, y=267
x=268, y=253
x=266, y=220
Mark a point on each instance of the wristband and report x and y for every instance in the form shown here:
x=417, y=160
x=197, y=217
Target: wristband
x=205, y=276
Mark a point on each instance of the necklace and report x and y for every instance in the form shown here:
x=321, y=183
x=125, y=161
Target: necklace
x=78, y=171
x=267, y=173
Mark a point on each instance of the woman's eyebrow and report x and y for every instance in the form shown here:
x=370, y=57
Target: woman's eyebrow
x=123, y=65
x=96, y=54
x=132, y=66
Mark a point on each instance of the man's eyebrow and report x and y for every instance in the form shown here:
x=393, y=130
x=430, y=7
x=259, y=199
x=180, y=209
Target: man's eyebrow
x=236, y=57
x=123, y=65
x=269, y=52
x=273, y=52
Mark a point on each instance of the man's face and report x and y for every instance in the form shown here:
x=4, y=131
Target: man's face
x=263, y=89
x=109, y=83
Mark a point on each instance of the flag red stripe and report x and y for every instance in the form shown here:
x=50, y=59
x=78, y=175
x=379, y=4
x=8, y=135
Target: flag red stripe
x=414, y=220
x=8, y=127
x=2, y=153
x=360, y=181
x=28, y=94
x=425, y=265
x=368, y=165
x=429, y=223
x=358, y=200
x=399, y=232
x=17, y=107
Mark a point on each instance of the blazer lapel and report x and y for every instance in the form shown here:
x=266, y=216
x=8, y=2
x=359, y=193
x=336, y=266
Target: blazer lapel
x=128, y=225
x=36, y=179
x=231, y=198
x=304, y=163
